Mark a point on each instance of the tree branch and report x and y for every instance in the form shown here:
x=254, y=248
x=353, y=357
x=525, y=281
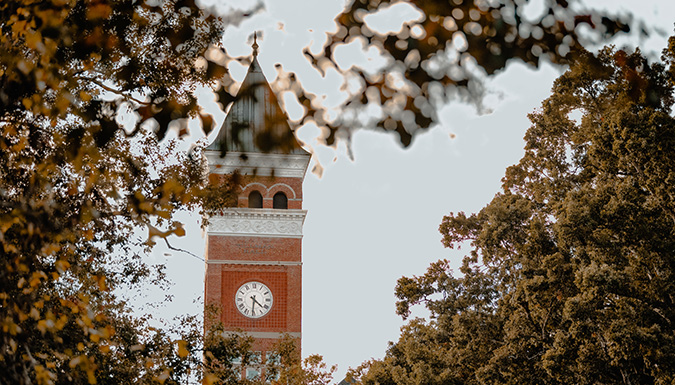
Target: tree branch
x=115, y=91
x=182, y=250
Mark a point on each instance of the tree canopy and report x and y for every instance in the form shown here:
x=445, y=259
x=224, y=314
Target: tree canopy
x=221, y=347
x=444, y=53
x=74, y=187
x=570, y=274
x=82, y=81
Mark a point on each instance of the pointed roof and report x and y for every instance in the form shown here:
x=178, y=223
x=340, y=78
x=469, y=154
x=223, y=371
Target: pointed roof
x=256, y=122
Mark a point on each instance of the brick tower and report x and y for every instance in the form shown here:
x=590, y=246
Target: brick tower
x=254, y=251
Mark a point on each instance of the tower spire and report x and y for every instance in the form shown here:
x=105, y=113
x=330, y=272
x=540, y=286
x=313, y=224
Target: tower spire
x=255, y=122
x=255, y=43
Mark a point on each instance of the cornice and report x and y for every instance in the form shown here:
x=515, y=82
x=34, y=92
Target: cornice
x=266, y=335
x=253, y=163
x=258, y=222
x=253, y=263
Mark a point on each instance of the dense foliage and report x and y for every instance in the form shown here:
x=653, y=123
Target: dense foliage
x=69, y=244
x=571, y=274
x=74, y=188
x=81, y=82
x=221, y=347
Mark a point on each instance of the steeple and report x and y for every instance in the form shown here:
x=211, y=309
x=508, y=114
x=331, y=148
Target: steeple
x=256, y=122
x=254, y=249
x=255, y=44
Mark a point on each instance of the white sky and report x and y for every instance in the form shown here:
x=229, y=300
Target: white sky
x=375, y=219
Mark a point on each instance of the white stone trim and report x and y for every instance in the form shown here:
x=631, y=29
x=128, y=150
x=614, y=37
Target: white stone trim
x=258, y=263
x=254, y=235
x=252, y=185
x=258, y=222
x=275, y=335
x=281, y=165
x=282, y=190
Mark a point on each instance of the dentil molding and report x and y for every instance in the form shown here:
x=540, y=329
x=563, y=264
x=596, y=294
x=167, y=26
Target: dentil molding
x=258, y=222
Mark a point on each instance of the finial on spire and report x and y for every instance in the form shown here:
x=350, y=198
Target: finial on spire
x=255, y=44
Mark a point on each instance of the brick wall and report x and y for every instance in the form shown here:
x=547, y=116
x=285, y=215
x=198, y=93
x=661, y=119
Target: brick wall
x=274, y=261
x=254, y=248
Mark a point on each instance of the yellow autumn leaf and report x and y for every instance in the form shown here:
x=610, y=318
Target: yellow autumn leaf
x=22, y=316
x=182, y=348
x=107, y=331
x=61, y=322
x=163, y=214
x=88, y=234
x=20, y=145
x=210, y=379
x=61, y=265
x=34, y=41
x=172, y=186
x=85, y=96
x=145, y=207
x=36, y=278
x=43, y=376
x=19, y=27
x=27, y=102
x=179, y=230
x=98, y=11
x=5, y=224
x=100, y=280
x=50, y=248
x=154, y=232
x=42, y=326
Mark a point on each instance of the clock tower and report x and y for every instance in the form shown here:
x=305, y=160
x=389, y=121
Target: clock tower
x=254, y=250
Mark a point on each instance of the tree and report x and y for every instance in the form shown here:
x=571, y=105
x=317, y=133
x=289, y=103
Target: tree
x=570, y=274
x=68, y=247
x=74, y=186
x=77, y=79
x=290, y=369
x=222, y=347
x=443, y=55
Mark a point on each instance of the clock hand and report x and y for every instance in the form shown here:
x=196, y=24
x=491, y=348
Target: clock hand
x=256, y=301
x=253, y=305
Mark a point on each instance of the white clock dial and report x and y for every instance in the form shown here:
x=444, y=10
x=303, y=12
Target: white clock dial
x=253, y=299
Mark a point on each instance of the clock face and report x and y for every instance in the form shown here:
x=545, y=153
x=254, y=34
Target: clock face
x=253, y=299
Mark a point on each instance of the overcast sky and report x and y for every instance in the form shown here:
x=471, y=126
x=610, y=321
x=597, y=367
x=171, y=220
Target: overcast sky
x=374, y=219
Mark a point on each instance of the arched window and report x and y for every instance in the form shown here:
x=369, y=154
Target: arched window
x=280, y=201
x=255, y=200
